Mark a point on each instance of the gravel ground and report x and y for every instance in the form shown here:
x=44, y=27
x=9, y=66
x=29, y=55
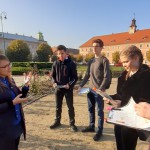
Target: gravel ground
x=40, y=115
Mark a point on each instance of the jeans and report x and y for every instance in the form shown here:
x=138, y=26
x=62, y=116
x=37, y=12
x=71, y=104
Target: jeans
x=94, y=99
x=59, y=94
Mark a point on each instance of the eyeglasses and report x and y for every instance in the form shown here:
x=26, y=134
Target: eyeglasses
x=8, y=65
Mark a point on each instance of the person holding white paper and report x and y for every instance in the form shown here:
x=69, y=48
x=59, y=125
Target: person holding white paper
x=64, y=77
x=133, y=82
x=143, y=110
x=98, y=71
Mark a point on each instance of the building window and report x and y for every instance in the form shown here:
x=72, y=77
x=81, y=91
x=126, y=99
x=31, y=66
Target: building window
x=147, y=45
x=140, y=45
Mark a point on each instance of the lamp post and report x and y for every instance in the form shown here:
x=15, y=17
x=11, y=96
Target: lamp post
x=3, y=15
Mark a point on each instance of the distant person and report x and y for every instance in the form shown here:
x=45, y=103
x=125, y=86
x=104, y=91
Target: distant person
x=99, y=73
x=64, y=76
x=133, y=82
x=12, y=123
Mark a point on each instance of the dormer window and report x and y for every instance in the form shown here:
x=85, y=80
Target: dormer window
x=127, y=40
x=113, y=41
x=145, y=37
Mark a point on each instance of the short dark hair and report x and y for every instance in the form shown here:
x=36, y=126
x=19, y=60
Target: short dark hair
x=99, y=41
x=61, y=47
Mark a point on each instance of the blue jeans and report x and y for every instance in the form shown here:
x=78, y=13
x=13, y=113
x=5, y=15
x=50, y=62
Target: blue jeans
x=94, y=99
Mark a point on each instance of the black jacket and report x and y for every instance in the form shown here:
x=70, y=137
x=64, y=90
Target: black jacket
x=136, y=86
x=64, y=72
x=7, y=113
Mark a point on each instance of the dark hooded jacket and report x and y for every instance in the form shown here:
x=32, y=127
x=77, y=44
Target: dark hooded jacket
x=64, y=72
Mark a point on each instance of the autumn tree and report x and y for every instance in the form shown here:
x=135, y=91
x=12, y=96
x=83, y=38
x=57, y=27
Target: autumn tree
x=115, y=57
x=44, y=52
x=79, y=58
x=18, y=51
x=148, y=55
x=88, y=57
x=72, y=56
x=104, y=54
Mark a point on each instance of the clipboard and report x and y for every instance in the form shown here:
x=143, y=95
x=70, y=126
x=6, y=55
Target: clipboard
x=126, y=116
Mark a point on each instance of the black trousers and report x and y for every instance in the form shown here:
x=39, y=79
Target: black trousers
x=118, y=137
x=59, y=95
x=9, y=144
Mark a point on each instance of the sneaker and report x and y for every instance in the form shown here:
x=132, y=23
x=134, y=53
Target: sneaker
x=55, y=125
x=89, y=129
x=74, y=128
x=97, y=137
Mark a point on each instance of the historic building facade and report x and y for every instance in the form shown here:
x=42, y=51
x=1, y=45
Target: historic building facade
x=116, y=42
x=6, y=38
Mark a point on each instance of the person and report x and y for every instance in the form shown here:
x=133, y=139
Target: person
x=99, y=73
x=132, y=83
x=143, y=109
x=64, y=76
x=12, y=123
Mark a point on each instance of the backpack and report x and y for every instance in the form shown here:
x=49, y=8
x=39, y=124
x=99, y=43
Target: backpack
x=109, y=83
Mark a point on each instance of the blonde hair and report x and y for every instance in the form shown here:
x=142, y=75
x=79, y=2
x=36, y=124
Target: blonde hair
x=131, y=52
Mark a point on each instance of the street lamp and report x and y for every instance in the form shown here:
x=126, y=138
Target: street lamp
x=3, y=15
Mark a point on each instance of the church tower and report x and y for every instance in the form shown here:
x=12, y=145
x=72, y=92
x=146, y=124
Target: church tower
x=40, y=36
x=132, y=28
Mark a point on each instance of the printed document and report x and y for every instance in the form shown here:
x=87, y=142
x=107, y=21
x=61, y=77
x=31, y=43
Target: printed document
x=126, y=116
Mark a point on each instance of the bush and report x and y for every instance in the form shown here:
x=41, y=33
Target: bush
x=20, y=70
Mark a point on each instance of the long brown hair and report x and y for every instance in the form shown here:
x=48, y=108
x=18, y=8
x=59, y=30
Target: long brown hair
x=2, y=86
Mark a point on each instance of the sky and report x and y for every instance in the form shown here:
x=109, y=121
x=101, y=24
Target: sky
x=73, y=22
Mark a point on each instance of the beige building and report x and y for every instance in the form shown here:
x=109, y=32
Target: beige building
x=6, y=38
x=118, y=41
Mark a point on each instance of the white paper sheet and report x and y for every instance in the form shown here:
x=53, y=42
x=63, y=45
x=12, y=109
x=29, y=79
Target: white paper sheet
x=127, y=116
x=84, y=91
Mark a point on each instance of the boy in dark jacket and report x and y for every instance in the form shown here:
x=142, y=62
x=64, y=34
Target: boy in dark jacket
x=64, y=75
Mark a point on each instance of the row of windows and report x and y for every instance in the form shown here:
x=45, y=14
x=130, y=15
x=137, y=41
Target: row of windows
x=113, y=47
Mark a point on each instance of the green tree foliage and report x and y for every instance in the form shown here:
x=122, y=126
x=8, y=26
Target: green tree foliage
x=79, y=58
x=53, y=58
x=18, y=51
x=44, y=51
x=72, y=57
x=148, y=55
x=115, y=57
x=88, y=57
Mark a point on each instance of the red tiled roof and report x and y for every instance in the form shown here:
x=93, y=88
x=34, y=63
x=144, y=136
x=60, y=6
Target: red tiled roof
x=140, y=36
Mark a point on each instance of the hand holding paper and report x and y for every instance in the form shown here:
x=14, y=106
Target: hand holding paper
x=127, y=116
